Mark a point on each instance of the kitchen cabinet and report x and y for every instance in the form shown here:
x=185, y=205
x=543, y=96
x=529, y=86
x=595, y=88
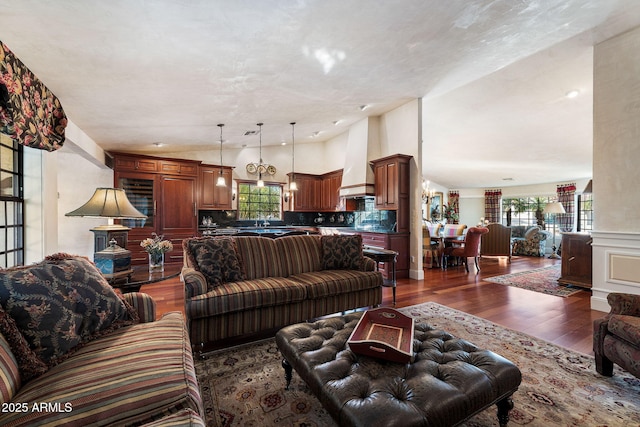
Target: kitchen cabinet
x=210, y=196
x=166, y=191
x=307, y=198
x=576, y=254
x=316, y=192
x=331, y=183
x=392, y=187
x=391, y=182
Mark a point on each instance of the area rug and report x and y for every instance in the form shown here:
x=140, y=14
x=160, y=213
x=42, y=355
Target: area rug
x=559, y=387
x=544, y=280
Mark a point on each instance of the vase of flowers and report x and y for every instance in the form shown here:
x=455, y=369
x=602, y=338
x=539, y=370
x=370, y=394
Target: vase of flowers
x=156, y=248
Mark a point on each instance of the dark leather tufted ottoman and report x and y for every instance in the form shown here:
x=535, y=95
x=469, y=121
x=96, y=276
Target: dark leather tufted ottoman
x=449, y=381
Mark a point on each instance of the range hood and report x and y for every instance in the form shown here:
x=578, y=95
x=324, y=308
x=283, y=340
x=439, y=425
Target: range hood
x=363, y=145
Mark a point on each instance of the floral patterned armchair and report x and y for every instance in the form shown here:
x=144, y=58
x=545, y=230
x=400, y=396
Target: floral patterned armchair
x=528, y=240
x=616, y=337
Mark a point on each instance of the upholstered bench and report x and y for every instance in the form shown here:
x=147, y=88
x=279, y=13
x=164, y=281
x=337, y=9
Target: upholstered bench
x=449, y=381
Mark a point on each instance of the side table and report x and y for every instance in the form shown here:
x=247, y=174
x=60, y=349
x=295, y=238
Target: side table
x=141, y=276
x=384, y=255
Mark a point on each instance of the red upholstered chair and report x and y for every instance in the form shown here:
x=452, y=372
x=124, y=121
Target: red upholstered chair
x=470, y=248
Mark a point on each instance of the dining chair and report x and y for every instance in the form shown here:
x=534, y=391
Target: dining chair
x=431, y=247
x=452, y=230
x=469, y=248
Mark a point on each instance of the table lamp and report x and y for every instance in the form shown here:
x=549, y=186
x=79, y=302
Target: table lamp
x=110, y=241
x=554, y=208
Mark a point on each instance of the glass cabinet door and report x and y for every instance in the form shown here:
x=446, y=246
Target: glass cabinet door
x=140, y=192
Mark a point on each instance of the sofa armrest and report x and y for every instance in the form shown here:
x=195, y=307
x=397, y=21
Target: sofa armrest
x=600, y=328
x=194, y=282
x=625, y=304
x=368, y=264
x=144, y=305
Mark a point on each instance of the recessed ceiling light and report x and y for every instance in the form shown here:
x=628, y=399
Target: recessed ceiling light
x=572, y=93
x=363, y=107
x=337, y=122
x=507, y=179
x=158, y=144
x=283, y=143
x=315, y=134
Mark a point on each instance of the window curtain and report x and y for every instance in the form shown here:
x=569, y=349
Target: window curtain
x=454, y=207
x=566, y=196
x=29, y=112
x=492, y=199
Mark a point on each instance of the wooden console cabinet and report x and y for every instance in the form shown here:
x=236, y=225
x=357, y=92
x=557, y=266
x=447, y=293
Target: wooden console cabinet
x=398, y=242
x=576, y=260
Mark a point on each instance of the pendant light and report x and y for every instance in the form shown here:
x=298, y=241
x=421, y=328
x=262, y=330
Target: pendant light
x=292, y=184
x=221, y=182
x=260, y=182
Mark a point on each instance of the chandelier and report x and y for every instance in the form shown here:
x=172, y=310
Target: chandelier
x=260, y=168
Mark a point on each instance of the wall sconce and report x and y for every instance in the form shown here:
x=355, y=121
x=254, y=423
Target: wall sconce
x=233, y=194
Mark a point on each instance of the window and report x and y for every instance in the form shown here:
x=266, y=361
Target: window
x=528, y=211
x=11, y=203
x=585, y=212
x=256, y=203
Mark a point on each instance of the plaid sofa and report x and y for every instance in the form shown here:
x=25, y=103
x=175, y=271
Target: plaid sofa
x=139, y=374
x=242, y=285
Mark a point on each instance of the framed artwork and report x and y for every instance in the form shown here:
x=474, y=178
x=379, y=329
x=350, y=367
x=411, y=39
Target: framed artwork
x=434, y=209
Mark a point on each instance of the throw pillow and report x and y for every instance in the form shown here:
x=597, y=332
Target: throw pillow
x=531, y=232
x=61, y=303
x=29, y=365
x=217, y=259
x=342, y=252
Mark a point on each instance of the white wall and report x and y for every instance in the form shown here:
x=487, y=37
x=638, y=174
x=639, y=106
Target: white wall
x=401, y=132
x=78, y=178
x=616, y=236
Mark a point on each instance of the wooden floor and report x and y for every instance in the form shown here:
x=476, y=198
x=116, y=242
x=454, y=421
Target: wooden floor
x=563, y=321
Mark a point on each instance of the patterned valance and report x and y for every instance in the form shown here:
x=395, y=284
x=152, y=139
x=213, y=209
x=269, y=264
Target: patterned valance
x=29, y=112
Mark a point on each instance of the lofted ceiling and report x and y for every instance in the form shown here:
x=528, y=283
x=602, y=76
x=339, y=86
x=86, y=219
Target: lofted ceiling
x=492, y=74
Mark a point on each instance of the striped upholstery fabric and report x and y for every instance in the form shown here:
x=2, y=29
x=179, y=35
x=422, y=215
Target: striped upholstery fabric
x=249, y=321
x=451, y=230
x=245, y=295
x=434, y=229
x=300, y=254
x=135, y=375
x=497, y=242
x=334, y=282
x=9, y=373
x=195, y=284
x=184, y=418
x=259, y=257
x=143, y=304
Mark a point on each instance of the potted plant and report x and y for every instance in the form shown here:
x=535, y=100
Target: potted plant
x=450, y=214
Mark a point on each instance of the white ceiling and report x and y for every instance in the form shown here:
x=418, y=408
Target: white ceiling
x=493, y=74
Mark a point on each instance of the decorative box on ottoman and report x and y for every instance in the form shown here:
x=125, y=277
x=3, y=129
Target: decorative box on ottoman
x=384, y=333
